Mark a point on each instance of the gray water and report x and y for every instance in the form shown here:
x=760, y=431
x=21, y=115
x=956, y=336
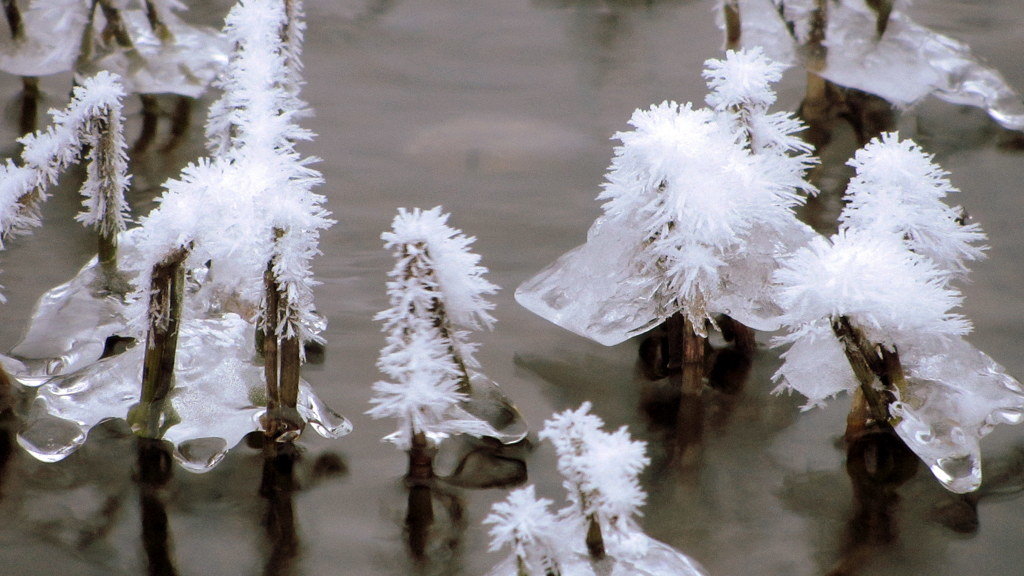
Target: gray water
x=501, y=111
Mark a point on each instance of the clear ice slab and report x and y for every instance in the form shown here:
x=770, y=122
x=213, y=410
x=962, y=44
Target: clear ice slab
x=218, y=397
x=906, y=64
x=53, y=38
x=70, y=324
x=641, y=555
x=598, y=291
x=185, y=65
x=955, y=396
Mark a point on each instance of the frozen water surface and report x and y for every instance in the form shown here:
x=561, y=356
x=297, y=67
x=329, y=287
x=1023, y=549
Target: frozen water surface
x=771, y=494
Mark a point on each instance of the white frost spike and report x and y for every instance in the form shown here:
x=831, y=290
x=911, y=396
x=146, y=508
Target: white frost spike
x=523, y=523
x=899, y=190
x=601, y=477
x=687, y=204
x=92, y=119
x=260, y=102
x=743, y=79
x=895, y=296
x=436, y=292
x=459, y=276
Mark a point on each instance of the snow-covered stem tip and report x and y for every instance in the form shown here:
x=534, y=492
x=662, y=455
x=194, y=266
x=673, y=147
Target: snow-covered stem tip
x=262, y=80
x=899, y=190
x=436, y=291
x=600, y=471
x=523, y=522
x=93, y=121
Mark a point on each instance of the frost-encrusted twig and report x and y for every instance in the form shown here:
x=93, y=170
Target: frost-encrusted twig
x=899, y=190
x=266, y=36
x=523, y=523
x=601, y=474
x=597, y=533
x=697, y=205
x=871, y=308
x=93, y=122
x=436, y=292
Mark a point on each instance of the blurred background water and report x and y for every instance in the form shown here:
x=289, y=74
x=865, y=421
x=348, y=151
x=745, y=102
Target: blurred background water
x=502, y=111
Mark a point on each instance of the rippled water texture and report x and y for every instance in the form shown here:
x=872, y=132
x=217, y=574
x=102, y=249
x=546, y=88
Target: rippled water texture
x=502, y=110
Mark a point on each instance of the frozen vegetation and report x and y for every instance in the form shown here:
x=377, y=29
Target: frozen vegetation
x=597, y=532
x=880, y=52
x=143, y=41
x=226, y=255
x=698, y=205
x=437, y=292
x=872, y=309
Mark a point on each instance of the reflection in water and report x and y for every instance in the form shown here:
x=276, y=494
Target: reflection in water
x=435, y=516
x=180, y=117
x=155, y=469
x=675, y=401
x=277, y=487
x=8, y=424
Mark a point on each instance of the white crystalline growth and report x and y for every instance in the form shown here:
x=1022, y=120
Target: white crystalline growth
x=218, y=397
x=899, y=190
x=600, y=473
x=437, y=294
x=684, y=201
x=95, y=103
x=906, y=64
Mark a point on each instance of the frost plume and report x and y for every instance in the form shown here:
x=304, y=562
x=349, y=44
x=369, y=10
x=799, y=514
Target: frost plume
x=698, y=205
x=436, y=291
x=898, y=190
x=92, y=120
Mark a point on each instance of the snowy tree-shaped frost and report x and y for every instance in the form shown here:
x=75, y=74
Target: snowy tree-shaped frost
x=71, y=322
x=437, y=294
x=599, y=532
x=689, y=195
x=213, y=263
x=535, y=535
x=870, y=310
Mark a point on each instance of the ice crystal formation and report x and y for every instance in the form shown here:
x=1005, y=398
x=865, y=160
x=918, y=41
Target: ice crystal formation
x=71, y=322
x=886, y=54
x=437, y=294
x=94, y=112
x=879, y=294
x=597, y=532
x=143, y=41
x=234, y=220
x=698, y=205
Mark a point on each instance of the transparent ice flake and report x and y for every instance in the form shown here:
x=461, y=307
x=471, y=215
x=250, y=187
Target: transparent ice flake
x=596, y=291
x=217, y=398
x=955, y=396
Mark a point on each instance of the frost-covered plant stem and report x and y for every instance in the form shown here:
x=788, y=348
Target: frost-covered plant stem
x=108, y=164
x=165, y=306
x=282, y=360
x=871, y=363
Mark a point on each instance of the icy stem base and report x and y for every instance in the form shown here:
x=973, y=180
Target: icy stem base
x=956, y=396
x=218, y=397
